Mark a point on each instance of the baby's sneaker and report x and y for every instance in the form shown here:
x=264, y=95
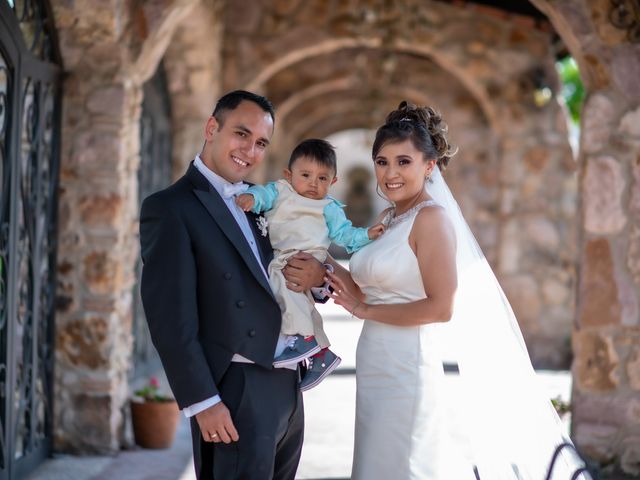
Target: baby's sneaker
x=320, y=365
x=298, y=348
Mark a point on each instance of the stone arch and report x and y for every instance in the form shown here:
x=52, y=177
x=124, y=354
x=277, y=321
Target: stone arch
x=292, y=108
x=193, y=63
x=331, y=46
x=532, y=243
x=330, y=115
x=339, y=84
x=326, y=76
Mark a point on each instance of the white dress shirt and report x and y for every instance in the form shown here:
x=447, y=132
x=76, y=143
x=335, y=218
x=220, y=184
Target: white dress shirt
x=218, y=183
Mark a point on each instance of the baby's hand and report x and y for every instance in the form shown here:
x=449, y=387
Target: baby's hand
x=376, y=231
x=245, y=201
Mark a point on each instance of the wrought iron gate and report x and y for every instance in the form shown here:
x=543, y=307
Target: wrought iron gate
x=154, y=174
x=29, y=140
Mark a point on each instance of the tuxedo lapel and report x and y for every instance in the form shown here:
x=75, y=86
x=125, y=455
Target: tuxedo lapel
x=218, y=210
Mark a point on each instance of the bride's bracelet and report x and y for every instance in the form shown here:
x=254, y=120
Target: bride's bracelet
x=353, y=310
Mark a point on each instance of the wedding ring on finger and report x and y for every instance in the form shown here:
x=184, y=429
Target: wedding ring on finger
x=213, y=435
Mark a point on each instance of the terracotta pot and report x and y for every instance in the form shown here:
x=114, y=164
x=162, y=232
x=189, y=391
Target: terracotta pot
x=154, y=423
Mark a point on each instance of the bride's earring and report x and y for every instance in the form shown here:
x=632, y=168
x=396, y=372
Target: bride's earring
x=379, y=193
x=428, y=179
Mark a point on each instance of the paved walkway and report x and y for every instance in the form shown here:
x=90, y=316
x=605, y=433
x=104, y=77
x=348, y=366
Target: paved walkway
x=328, y=446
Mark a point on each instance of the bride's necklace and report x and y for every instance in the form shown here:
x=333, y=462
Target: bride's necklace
x=393, y=219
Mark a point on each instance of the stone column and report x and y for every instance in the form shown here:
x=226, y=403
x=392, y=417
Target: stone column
x=108, y=53
x=606, y=338
x=97, y=251
x=607, y=335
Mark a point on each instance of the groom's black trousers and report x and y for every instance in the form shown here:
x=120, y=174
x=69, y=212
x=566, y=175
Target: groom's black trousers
x=266, y=408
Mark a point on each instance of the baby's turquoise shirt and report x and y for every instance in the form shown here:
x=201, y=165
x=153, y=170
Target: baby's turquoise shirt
x=341, y=230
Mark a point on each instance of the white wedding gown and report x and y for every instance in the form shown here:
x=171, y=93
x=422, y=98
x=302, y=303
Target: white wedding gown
x=401, y=412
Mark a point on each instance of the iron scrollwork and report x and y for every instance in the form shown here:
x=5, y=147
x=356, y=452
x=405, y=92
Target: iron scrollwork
x=29, y=138
x=625, y=15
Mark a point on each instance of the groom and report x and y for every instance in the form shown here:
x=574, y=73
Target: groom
x=211, y=312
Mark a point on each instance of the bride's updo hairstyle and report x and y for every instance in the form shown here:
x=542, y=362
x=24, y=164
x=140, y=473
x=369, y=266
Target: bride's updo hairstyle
x=423, y=126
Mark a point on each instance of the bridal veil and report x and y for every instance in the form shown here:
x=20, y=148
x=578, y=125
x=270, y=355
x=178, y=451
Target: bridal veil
x=510, y=425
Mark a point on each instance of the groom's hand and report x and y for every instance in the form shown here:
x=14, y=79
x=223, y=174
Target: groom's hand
x=216, y=425
x=303, y=271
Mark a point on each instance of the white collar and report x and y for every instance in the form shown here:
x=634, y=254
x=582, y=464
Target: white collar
x=214, y=179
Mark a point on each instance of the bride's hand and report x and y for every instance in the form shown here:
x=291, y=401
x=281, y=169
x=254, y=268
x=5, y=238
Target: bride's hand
x=343, y=296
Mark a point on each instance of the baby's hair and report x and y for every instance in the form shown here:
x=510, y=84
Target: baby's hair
x=423, y=125
x=316, y=149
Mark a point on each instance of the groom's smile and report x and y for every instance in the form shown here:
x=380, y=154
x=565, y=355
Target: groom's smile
x=239, y=162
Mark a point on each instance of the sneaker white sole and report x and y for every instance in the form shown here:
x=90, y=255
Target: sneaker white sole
x=299, y=358
x=329, y=369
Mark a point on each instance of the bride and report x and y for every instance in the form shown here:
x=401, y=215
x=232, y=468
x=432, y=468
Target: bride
x=423, y=282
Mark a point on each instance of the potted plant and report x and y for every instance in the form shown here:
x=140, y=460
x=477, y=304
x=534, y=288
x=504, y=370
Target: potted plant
x=562, y=407
x=154, y=416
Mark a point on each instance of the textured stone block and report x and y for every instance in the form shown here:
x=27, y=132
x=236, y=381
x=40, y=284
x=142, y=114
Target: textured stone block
x=102, y=272
x=524, y=295
x=596, y=440
x=630, y=124
x=596, y=362
x=633, y=254
x=108, y=101
x=543, y=233
x=598, y=293
x=92, y=424
x=597, y=119
x=555, y=292
x=625, y=69
x=85, y=343
x=103, y=210
x=630, y=458
x=633, y=369
x=536, y=159
x=603, y=186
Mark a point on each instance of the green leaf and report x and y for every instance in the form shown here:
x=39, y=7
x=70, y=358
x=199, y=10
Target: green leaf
x=572, y=88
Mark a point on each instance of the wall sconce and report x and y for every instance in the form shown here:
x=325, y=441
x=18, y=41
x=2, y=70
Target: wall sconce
x=542, y=93
x=542, y=96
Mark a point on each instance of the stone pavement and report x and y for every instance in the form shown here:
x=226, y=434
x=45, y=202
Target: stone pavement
x=328, y=444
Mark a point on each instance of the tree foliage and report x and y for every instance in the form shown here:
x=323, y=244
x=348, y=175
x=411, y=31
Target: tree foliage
x=572, y=87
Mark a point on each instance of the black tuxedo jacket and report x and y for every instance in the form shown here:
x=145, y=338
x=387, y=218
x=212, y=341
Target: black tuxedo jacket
x=204, y=294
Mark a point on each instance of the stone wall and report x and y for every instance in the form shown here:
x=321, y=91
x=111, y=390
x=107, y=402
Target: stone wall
x=331, y=69
x=606, y=338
